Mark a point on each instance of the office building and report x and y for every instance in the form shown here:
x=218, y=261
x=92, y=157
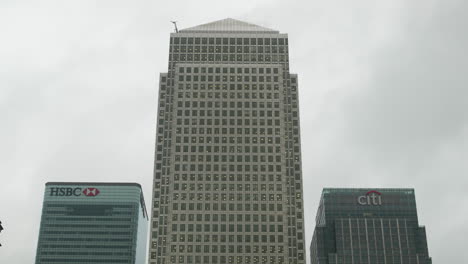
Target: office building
x=92, y=223
x=227, y=174
x=368, y=226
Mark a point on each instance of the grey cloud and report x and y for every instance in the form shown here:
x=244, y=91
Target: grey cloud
x=382, y=86
x=405, y=123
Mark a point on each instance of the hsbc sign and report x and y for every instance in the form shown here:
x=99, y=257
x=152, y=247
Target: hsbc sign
x=90, y=191
x=370, y=198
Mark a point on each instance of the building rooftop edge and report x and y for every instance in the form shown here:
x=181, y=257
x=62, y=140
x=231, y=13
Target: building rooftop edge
x=142, y=199
x=226, y=33
x=96, y=183
x=368, y=188
x=229, y=32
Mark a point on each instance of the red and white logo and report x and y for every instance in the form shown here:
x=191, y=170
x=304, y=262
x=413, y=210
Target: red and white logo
x=371, y=198
x=91, y=191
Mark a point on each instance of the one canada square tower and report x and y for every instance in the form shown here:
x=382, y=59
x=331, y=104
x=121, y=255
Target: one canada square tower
x=227, y=173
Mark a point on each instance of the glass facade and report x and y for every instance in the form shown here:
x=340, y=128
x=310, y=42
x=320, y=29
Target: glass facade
x=364, y=226
x=227, y=174
x=92, y=223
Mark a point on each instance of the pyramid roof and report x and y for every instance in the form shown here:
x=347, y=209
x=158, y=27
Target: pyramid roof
x=228, y=25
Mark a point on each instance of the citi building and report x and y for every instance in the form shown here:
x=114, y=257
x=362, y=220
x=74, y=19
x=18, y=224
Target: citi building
x=92, y=223
x=368, y=226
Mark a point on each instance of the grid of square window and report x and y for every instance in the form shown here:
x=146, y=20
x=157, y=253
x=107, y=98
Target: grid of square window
x=228, y=143
x=227, y=192
x=228, y=49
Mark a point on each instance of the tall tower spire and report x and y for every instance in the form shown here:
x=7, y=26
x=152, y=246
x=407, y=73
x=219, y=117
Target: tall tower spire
x=227, y=174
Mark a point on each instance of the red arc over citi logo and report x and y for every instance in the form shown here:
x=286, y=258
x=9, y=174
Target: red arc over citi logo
x=91, y=191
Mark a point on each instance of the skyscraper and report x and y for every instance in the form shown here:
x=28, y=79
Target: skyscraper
x=363, y=226
x=92, y=222
x=227, y=177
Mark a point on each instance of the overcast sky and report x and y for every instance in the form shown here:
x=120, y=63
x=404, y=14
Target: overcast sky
x=383, y=100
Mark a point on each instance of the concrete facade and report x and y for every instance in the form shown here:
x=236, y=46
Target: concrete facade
x=227, y=177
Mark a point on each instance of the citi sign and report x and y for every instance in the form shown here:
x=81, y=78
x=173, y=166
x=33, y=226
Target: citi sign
x=370, y=198
x=74, y=191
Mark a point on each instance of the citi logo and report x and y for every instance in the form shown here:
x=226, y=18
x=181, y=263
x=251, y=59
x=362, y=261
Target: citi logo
x=55, y=191
x=370, y=198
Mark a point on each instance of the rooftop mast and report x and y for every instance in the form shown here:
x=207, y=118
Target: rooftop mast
x=175, y=25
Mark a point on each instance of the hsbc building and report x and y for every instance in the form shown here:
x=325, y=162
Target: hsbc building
x=368, y=226
x=92, y=222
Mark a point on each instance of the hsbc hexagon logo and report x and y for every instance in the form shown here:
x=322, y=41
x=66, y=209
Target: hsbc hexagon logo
x=91, y=191
x=371, y=198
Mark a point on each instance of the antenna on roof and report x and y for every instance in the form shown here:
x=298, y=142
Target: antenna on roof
x=175, y=25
